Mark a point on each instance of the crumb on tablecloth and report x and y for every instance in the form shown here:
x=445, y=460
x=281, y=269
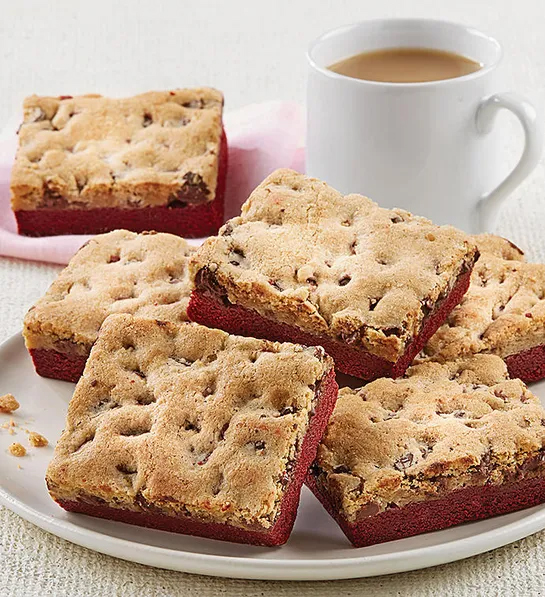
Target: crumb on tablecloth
x=8, y=403
x=37, y=440
x=16, y=449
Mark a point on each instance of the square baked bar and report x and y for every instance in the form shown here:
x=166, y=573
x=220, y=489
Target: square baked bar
x=188, y=429
x=91, y=164
x=307, y=264
x=117, y=272
x=502, y=313
x=444, y=445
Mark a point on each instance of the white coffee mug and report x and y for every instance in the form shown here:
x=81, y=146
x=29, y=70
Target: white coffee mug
x=427, y=147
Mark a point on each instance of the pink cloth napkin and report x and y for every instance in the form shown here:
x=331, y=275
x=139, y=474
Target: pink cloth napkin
x=261, y=138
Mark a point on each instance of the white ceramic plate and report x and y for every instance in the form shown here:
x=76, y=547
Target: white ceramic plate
x=317, y=550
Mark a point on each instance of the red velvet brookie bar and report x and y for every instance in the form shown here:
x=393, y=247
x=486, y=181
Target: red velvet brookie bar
x=502, y=313
x=90, y=164
x=187, y=429
x=444, y=445
x=117, y=272
x=306, y=264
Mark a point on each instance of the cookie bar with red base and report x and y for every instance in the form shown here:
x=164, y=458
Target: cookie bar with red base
x=445, y=444
x=502, y=313
x=117, y=272
x=306, y=264
x=190, y=430
x=89, y=164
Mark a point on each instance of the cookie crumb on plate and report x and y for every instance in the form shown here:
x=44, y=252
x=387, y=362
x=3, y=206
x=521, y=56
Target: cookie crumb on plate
x=16, y=449
x=8, y=403
x=37, y=440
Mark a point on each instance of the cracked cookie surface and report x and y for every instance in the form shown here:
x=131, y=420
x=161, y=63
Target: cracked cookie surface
x=335, y=265
x=188, y=421
x=503, y=311
x=438, y=429
x=118, y=272
x=153, y=149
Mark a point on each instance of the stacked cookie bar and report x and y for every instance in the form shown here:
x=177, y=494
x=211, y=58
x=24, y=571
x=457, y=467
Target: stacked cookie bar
x=444, y=444
x=210, y=428
x=89, y=164
x=119, y=272
x=503, y=313
x=184, y=428
x=304, y=263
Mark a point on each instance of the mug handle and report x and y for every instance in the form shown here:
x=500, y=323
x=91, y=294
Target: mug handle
x=490, y=203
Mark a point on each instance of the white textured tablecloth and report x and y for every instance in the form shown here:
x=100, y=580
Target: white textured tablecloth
x=253, y=51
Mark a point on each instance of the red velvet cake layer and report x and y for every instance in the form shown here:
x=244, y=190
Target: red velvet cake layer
x=278, y=534
x=58, y=365
x=528, y=365
x=464, y=505
x=190, y=221
x=209, y=309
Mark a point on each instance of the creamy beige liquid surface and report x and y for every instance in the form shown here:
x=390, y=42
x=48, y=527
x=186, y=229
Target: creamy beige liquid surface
x=405, y=65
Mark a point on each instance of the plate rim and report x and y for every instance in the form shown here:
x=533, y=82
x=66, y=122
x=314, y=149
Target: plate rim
x=357, y=566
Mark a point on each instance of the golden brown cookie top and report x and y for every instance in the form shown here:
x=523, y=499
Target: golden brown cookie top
x=91, y=151
x=503, y=311
x=439, y=428
x=498, y=246
x=303, y=253
x=187, y=419
x=118, y=272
